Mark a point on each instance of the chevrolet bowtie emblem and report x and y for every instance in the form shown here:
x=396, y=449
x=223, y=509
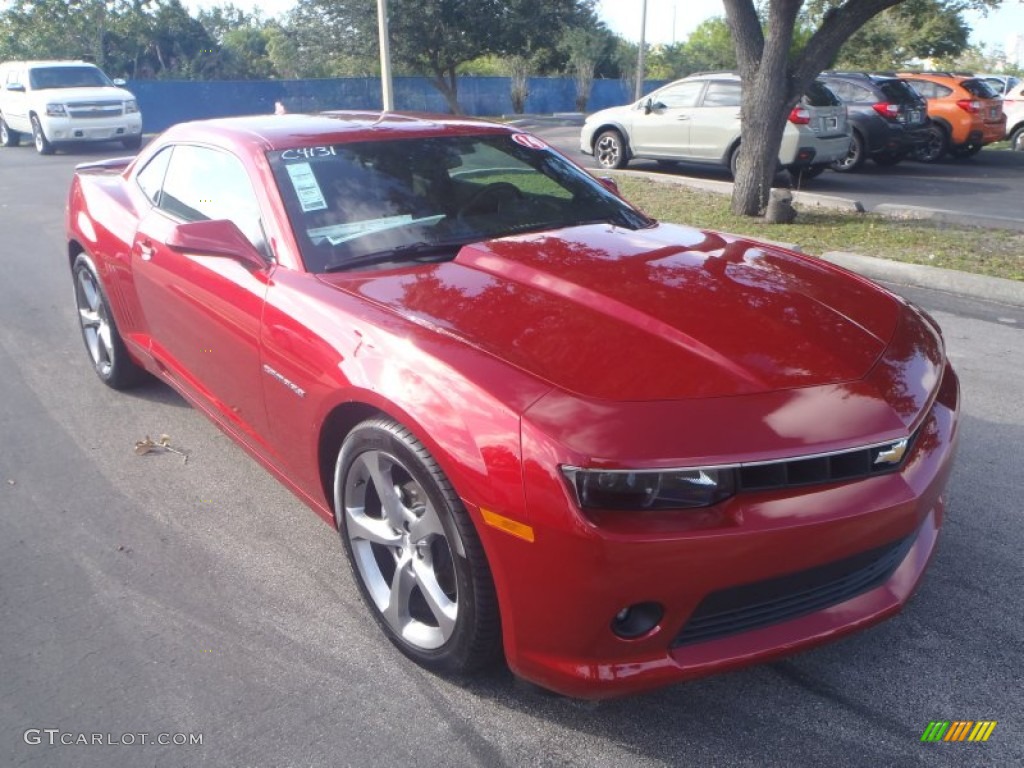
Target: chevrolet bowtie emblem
x=892, y=454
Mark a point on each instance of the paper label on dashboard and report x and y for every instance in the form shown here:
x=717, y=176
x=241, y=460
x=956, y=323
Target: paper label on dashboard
x=311, y=198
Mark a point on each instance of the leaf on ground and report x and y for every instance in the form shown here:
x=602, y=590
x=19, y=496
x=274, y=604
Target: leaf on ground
x=163, y=445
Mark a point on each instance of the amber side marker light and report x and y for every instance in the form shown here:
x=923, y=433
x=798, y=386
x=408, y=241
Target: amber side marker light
x=507, y=524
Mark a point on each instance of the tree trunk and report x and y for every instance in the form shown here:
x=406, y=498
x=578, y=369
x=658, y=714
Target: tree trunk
x=445, y=81
x=774, y=81
x=759, y=151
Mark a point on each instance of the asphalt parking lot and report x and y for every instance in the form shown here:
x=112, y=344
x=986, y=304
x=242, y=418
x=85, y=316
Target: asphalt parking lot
x=144, y=595
x=989, y=184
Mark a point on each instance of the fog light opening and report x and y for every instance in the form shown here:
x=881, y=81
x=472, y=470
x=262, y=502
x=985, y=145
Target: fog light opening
x=637, y=620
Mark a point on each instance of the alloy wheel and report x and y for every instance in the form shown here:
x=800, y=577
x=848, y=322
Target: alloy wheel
x=96, y=328
x=401, y=550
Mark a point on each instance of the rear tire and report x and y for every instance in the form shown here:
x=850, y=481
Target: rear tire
x=106, y=349
x=43, y=145
x=8, y=138
x=610, y=150
x=414, y=551
x=935, y=147
x=854, y=158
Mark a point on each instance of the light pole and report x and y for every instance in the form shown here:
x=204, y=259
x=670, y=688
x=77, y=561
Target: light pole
x=387, y=95
x=639, y=90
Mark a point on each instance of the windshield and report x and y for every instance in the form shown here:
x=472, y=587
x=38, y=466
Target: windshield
x=422, y=198
x=67, y=77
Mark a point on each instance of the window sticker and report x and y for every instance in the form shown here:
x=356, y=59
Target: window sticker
x=529, y=141
x=336, y=234
x=311, y=198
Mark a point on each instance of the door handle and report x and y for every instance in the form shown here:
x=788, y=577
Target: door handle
x=683, y=117
x=146, y=250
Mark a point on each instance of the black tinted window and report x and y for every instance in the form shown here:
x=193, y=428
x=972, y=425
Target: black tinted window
x=818, y=95
x=898, y=92
x=67, y=77
x=979, y=89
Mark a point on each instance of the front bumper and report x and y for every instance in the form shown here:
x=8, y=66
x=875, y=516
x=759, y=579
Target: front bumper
x=561, y=592
x=61, y=130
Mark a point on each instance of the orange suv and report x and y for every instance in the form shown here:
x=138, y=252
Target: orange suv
x=966, y=114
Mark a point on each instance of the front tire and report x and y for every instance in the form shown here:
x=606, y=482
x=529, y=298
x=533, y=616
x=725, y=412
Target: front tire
x=1017, y=139
x=610, y=150
x=43, y=145
x=106, y=349
x=132, y=142
x=414, y=551
x=8, y=137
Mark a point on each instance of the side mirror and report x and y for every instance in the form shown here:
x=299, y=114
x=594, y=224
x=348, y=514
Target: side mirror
x=215, y=238
x=648, y=107
x=120, y=82
x=16, y=87
x=610, y=184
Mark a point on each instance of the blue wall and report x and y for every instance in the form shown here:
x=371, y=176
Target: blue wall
x=165, y=102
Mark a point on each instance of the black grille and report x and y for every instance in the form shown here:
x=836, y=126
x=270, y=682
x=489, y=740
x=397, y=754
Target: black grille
x=831, y=468
x=752, y=606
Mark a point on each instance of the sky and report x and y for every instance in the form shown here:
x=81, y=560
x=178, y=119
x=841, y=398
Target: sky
x=673, y=20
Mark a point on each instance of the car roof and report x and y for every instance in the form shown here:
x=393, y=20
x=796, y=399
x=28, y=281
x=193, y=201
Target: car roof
x=277, y=132
x=51, y=63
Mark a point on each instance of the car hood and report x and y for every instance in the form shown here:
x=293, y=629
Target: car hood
x=657, y=314
x=79, y=95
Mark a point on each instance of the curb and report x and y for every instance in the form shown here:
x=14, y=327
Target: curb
x=995, y=289
x=950, y=217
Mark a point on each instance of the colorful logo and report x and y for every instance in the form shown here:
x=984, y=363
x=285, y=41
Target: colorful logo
x=958, y=730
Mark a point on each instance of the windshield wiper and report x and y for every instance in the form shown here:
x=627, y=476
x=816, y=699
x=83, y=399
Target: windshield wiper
x=439, y=251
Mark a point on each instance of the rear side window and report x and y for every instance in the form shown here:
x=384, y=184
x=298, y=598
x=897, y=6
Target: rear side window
x=151, y=178
x=926, y=89
x=818, y=95
x=723, y=95
x=851, y=92
x=979, y=89
x=898, y=92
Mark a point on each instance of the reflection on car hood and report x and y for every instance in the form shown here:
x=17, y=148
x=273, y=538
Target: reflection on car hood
x=664, y=313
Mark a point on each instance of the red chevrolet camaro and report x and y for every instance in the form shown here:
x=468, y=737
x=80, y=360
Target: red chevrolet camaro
x=620, y=452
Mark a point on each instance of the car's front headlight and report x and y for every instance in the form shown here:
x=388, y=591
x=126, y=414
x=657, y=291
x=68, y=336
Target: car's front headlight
x=131, y=106
x=651, y=489
x=56, y=110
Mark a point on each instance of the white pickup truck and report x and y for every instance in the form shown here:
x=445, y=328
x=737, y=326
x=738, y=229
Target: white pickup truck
x=59, y=102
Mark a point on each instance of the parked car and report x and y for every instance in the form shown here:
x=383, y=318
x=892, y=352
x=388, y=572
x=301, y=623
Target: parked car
x=1001, y=84
x=888, y=119
x=60, y=102
x=1013, y=106
x=697, y=120
x=624, y=452
x=966, y=114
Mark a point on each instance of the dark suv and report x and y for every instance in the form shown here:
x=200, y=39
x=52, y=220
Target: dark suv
x=888, y=118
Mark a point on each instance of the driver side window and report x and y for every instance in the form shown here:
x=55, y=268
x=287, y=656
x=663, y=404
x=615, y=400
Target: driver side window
x=677, y=96
x=204, y=184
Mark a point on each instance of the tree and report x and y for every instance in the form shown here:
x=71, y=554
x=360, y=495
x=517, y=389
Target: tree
x=776, y=73
x=585, y=48
x=437, y=38
x=915, y=29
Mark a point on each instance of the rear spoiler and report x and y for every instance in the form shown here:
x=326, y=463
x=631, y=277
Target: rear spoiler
x=113, y=165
